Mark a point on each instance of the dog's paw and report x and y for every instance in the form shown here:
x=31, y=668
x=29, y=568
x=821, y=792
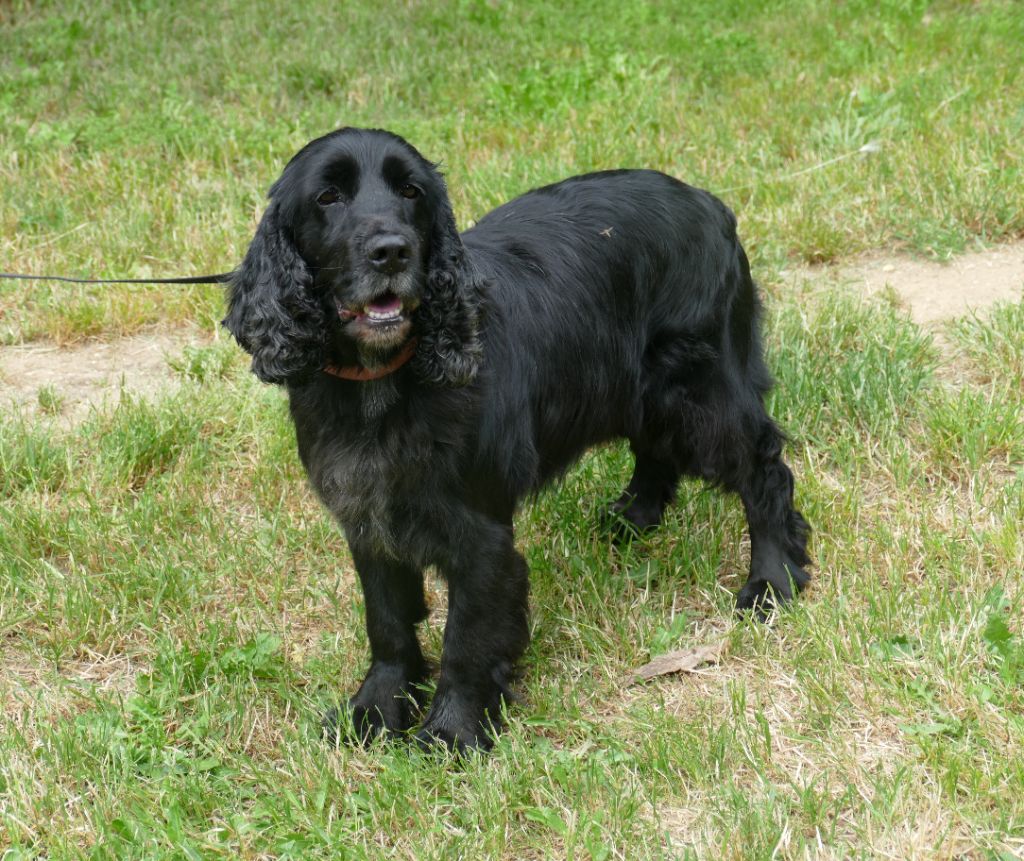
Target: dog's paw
x=355, y=723
x=765, y=592
x=456, y=727
x=628, y=518
x=456, y=740
x=387, y=703
x=336, y=727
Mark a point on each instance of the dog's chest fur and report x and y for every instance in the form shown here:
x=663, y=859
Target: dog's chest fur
x=386, y=478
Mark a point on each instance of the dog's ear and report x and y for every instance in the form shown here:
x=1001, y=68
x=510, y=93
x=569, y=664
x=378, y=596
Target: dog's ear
x=272, y=312
x=449, y=351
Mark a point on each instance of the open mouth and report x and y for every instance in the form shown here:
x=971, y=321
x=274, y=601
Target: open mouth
x=382, y=311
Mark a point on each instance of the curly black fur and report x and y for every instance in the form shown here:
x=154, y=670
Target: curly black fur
x=617, y=304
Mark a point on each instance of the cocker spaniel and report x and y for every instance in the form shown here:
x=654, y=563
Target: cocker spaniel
x=435, y=379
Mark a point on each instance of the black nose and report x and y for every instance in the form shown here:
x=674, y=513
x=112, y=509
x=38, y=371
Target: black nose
x=388, y=253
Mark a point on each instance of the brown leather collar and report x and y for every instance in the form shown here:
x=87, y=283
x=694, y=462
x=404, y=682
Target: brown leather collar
x=361, y=374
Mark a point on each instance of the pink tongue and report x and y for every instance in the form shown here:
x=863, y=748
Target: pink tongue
x=385, y=305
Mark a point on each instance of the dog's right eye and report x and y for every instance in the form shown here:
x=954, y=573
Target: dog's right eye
x=328, y=196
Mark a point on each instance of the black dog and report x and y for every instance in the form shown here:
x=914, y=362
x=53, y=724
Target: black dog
x=437, y=379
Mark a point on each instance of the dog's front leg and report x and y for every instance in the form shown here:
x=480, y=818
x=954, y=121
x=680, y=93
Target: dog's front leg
x=387, y=700
x=485, y=634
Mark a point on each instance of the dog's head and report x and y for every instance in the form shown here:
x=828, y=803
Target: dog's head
x=357, y=252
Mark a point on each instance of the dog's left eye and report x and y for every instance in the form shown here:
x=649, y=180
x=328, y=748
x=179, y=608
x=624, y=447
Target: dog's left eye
x=410, y=191
x=328, y=196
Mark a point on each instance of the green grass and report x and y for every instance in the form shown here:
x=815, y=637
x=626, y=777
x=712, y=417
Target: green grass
x=172, y=124
x=176, y=609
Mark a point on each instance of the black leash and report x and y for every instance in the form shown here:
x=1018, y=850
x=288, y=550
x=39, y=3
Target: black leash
x=219, y=278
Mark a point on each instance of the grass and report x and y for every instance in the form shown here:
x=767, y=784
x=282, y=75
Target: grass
x=176, y=610
x=172, y=125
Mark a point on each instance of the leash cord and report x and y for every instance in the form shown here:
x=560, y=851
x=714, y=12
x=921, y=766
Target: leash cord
x=219, y=278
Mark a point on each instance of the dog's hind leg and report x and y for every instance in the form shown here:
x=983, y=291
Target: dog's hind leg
x=651, y=489
x=726, y=437
x=778, y=532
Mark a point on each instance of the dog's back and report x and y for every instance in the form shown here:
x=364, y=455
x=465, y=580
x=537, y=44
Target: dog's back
x=603, y=291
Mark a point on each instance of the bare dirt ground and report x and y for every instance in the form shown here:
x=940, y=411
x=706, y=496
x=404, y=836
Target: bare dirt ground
x=936, y=292
x=90, y=374
x=94, y=373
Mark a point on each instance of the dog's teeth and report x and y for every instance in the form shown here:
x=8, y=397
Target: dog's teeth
x=388, y=315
